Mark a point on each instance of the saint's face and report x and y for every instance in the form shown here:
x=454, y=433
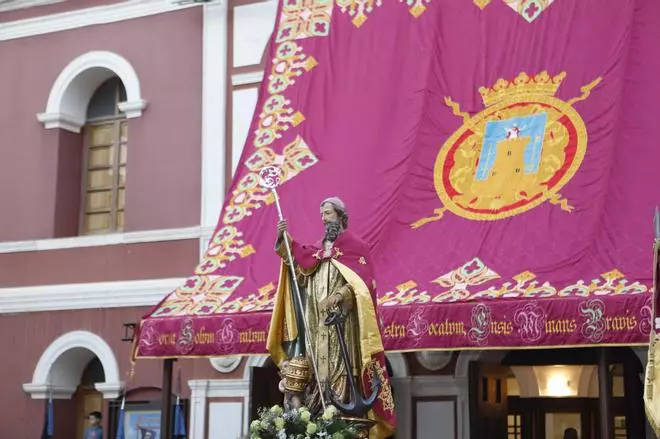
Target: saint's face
x=328, y=213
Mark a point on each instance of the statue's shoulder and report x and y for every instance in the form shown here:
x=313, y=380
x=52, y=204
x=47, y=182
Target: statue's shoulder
x=357, y=243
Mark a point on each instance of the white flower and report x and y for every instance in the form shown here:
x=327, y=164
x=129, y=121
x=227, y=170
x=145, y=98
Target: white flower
x=279, y=423
x=276, y=410
x=281, y=434
x=304, y=416
x=311, y=428
x=329, y=413
x=255, y=425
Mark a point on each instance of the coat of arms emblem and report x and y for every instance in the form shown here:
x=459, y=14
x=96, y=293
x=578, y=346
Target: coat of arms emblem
x=514, y=155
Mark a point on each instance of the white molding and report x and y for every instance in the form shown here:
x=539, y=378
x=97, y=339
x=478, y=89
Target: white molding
x=86, y=296
x=225, y=388
x=214, y=102
x=45, y=391
x=198, y=394
x=24, y=4
x=248, y=78
x=225, y=364
x=110, y=390
x=132, y=109
x=61, y=365
x=161, y=235
x=64, y=21
x=60, y=120
x=72, y=90
x=214, y=67
x=233, y=388
x=228, y=388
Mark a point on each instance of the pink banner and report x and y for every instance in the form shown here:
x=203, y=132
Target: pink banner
x=623, y=319
x=497, y=156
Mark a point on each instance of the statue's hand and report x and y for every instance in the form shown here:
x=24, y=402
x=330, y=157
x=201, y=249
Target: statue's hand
x=335, y=300
x=281, y=228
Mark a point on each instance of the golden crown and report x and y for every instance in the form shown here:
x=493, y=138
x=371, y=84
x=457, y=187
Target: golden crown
x=523, y=84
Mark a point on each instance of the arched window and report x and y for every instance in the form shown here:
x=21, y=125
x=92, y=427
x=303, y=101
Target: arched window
x=104, y=175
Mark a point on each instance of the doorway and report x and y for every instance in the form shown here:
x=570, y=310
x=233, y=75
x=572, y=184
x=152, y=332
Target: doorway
x=539, y=394
x=88, y=399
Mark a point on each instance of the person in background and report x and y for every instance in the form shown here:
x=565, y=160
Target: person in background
x=94, y=431
x=570, y=433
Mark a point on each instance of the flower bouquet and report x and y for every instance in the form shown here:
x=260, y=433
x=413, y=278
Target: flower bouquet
x=274, y=423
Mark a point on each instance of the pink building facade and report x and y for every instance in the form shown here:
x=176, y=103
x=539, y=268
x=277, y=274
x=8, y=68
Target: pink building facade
x=104, y=221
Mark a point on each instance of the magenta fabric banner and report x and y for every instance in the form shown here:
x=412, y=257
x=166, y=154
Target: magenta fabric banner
x=498, y=157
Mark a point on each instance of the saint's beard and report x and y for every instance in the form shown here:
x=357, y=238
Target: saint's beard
x=332, y=230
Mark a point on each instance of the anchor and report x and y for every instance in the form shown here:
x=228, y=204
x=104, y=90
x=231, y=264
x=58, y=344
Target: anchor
x=357, y=405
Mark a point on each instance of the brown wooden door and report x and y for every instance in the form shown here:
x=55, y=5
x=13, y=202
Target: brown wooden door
x=488, y=401
x=88, y=400
x=264, y=390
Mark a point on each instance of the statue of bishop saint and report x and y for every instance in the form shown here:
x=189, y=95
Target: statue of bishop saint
x=334, y=274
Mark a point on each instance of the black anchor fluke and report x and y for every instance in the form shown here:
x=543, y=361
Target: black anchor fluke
x=357, y=405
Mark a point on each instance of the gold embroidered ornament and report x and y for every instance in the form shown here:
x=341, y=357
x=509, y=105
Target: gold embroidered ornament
x=513, y=156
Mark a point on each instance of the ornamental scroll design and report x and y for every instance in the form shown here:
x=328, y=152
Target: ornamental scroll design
x=199, y=295
x=594, y=326
x=289, y=63
x=530, y=320
x=463, y=284
x=248, y=195
x=208, y=292
x=360, y=10
x=530, y=10
x=302, y=19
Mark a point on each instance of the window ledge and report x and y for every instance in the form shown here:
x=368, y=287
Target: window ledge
x=107, y=239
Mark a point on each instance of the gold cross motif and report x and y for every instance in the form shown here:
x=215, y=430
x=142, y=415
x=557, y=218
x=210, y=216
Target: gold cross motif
x=317, y=255
x=362, y=260
x=338, y=252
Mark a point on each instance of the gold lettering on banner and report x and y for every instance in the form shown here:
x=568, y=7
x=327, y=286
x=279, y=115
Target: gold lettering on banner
x=621, y=323
x=502, y=327
x=203, y=337
x=564, y=326
x=251, y=336
x=446, y=328
x=167, y=339
x=395, y=331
